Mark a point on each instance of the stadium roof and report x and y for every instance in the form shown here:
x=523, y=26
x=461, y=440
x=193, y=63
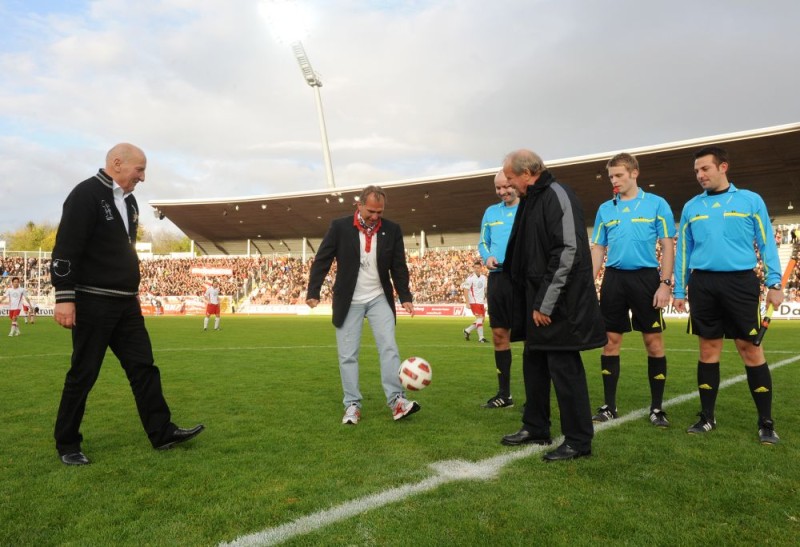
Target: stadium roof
x=448, y=209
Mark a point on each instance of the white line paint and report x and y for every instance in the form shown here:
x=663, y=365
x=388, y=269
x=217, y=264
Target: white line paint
x=445, y=472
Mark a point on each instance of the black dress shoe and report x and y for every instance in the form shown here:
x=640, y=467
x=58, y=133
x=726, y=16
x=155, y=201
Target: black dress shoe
x=181, y=436
x=565, y=452
x=523, y=436
x=76, y=458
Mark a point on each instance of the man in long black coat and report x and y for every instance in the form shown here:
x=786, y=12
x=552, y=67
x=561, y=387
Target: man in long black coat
x=550, y=264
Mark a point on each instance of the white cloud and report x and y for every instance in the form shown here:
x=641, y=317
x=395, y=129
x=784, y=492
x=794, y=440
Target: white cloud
x=410, y=88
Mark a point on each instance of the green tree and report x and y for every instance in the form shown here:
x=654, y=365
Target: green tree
x=142, y=234
x=165, y=242
x=32, y=237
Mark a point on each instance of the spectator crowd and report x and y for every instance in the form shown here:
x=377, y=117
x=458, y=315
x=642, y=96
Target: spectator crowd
x=191, y=276
x=434, y=278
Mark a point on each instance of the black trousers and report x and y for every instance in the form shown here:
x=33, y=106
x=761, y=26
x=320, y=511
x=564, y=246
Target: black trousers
x=565, y=370
x=116, y=323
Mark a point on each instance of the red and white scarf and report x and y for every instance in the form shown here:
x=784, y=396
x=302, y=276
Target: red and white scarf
x=368, y=231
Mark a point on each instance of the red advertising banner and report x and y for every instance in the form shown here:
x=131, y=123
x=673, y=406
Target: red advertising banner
x=435, y=310
x=179, y=305
x=212, y=271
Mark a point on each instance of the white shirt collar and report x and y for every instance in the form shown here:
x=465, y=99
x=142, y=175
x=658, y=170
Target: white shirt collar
x=118, y=191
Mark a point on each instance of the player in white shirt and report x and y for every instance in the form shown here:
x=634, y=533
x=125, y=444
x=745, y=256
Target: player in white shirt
x=475, y=293
x=16, y=295
x=212, y=305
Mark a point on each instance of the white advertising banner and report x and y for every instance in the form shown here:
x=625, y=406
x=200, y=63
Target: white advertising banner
x=787, y=310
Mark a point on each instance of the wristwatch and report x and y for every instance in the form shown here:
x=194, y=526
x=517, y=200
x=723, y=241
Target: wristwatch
x=776, y=287
x=667, y=282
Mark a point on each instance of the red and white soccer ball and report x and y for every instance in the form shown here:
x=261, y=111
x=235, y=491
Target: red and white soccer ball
x=415, y=373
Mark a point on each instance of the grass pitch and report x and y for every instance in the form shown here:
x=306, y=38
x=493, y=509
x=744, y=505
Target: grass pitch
x=268, y=391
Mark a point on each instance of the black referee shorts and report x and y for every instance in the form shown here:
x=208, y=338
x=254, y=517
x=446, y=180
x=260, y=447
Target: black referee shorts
x=499, y=298
x=626, y=301
x=724, y=304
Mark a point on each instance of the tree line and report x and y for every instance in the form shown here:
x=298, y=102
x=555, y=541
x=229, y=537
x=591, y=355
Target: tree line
x=33, y=237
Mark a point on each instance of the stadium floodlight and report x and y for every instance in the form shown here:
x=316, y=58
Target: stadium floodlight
x=287, y=22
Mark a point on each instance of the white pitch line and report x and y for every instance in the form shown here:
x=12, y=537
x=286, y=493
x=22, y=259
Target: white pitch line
x=445, y=472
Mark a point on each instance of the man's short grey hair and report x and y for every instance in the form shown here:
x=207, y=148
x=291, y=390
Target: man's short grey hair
x=372, y=190
x=522, y=160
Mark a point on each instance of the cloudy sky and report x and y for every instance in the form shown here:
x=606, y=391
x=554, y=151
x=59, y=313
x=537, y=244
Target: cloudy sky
x=411, y=88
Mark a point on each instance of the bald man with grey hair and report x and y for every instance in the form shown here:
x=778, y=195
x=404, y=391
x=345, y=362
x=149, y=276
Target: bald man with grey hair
x=95, y=273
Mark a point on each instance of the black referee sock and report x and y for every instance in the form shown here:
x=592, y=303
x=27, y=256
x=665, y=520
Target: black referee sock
x=502, y=360
x=609, y=368
x=657, y=374
x=708, y=386
x=760, y=381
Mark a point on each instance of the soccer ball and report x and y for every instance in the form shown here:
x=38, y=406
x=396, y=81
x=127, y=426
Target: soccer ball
x=415, y=373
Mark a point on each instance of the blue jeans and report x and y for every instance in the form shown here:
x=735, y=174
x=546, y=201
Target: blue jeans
x=348, y=340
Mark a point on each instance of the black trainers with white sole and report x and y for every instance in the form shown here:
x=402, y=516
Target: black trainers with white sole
x=659, y=418
x=703, y=425
x=498, y=401
x=604, y=414
x=766, y=432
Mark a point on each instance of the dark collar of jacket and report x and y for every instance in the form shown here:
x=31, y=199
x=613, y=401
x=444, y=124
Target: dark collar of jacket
x=542, y=183
x=103, y=177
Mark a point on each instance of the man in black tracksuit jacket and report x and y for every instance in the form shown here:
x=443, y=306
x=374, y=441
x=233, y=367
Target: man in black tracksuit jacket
x=95, y=272
x=558, y=315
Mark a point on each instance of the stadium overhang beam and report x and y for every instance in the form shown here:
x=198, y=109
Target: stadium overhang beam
x=448, y=208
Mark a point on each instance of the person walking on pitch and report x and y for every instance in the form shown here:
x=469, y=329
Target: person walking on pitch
x=475, y=294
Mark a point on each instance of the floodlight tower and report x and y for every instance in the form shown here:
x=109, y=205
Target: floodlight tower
x=287, y=22
x=313, y=80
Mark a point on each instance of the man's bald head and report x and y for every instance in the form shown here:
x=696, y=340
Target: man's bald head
x=123, y=151
x=126, y=163
x=504, y=190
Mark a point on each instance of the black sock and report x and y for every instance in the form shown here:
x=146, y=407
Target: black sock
x=708, y=386
x=657, y=374
x=502, y=360
x=609, y=366
x=760, y=381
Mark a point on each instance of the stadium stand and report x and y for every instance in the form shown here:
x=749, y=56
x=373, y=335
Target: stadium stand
x=264, y=280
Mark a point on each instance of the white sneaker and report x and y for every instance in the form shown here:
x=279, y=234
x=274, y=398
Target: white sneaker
x=351, y=415
x=403, y=407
